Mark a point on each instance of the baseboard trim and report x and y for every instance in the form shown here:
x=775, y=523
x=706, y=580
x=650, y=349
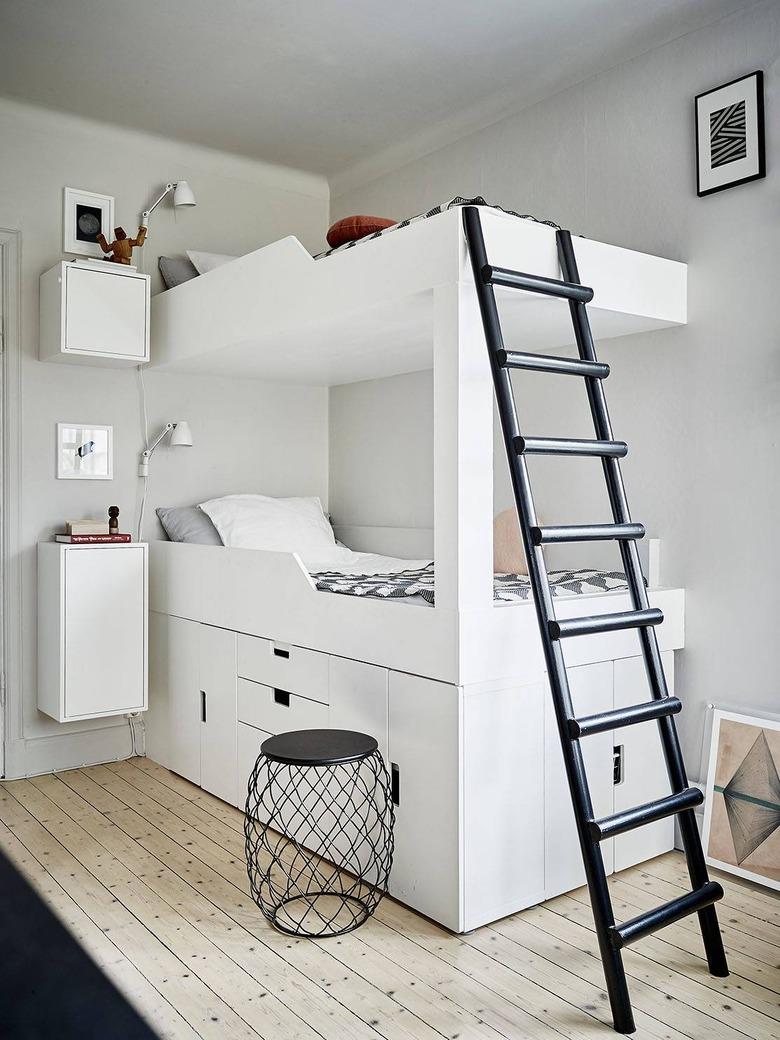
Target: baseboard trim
x=62, y=751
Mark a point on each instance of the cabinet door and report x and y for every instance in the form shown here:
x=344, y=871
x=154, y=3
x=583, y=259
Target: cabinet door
x=644, y=776
x=358, y=699
x=105, y=631
x=592, y=691
x=217, y=693
x=424, y=732
x=105, y=313
x=249, y=741
x=173, y=720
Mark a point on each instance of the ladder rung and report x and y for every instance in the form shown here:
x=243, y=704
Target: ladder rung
x=640, y=815
x=587, y=533
x=585, y=626
x=548, y=363
x=569, y=446
x=536, y=283
x=622, y=717
x=667, y=913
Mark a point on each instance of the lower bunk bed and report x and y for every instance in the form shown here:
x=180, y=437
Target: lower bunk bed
x=246, y=643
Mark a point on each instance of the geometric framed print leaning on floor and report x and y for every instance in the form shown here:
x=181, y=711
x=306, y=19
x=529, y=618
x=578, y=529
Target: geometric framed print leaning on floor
x=742, y=814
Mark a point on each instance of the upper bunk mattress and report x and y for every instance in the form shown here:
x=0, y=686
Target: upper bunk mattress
x=507, y=588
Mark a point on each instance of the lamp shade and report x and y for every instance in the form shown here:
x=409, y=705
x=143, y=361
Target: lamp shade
x=183, y=195
x=182, y=435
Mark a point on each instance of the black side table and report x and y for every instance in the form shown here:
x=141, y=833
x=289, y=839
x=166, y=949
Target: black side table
x=319, y=831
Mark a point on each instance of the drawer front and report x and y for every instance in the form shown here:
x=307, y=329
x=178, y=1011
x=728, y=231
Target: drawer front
x=286, y=667
x=277, y=710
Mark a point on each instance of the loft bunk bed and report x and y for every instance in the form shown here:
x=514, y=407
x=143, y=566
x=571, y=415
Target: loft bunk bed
x=454, y=691
x=402, y=302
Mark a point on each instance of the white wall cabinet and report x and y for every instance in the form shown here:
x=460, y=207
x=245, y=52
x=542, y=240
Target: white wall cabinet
x=92, y=630
x=191, y=727
x=97, y=315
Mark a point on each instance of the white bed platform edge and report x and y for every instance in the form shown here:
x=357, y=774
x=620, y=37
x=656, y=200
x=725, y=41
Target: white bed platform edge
x=271, y=595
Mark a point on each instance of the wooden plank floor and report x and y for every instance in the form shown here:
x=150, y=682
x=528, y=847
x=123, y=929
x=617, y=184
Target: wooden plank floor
x=148, y=872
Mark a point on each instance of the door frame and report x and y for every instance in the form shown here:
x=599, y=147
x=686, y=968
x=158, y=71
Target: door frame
x=10, y=492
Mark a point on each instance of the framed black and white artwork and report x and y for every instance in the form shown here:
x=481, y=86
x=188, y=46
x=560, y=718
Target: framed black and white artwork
x=85, y=215
x=84, y=452
x=730, y=134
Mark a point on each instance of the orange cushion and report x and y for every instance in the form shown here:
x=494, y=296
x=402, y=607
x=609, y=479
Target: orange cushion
x=350, y=229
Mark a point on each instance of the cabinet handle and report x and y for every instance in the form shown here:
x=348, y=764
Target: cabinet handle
x=278, y=652
x=282, y=697
x=202, y=705
x=617, y=764
x=395, y=783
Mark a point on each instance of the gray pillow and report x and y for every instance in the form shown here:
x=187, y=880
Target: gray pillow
x=188, y=524
x=176, y=269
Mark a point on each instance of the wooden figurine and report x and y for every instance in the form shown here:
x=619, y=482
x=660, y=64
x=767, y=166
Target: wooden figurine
x=121, y=248
x=113, y=519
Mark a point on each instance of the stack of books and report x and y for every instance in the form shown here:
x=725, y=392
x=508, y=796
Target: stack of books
x=90, y=532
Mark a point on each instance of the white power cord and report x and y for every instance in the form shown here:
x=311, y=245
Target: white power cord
x=145, y=478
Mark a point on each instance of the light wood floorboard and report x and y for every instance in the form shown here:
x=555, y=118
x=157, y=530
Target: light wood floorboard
x=147, y=871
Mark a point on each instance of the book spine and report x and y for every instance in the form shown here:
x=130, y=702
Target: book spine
x=93, y=539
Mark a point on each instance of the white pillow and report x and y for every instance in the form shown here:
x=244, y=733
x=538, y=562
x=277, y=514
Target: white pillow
x=205, y=262
x=275, y=524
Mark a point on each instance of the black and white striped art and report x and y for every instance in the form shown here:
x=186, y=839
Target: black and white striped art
x=730, y=134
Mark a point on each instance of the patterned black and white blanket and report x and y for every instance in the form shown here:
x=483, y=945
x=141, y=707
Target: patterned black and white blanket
x=507, y=588
x=452, y=204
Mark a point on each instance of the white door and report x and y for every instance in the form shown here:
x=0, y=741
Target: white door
x=424, y=746
x=217, y=692
x=643, y=769
x=105, y=313
x=173, y=720
x=105, y=631
x=358, y=699
x=591, y=690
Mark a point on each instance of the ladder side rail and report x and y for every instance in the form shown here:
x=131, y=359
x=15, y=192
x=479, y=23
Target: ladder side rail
x=556, y=668
x=694, y=854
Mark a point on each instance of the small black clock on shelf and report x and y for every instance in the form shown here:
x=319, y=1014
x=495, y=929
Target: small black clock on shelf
x=730, y=134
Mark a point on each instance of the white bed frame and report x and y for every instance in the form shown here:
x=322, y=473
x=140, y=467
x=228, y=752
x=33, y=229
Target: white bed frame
x=454, y=693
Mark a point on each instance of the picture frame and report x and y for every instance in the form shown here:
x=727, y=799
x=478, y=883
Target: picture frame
x=730, y=145
x=742, y=804
x=85, y=215
x=85, y=451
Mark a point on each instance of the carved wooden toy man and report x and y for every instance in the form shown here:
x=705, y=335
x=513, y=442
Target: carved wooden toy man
x=121, y=248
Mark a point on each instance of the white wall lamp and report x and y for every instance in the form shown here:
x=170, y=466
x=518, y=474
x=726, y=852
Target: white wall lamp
x=181, y=437
x=182, y=197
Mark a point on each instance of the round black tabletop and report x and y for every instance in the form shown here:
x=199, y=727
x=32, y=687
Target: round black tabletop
x=318, y=747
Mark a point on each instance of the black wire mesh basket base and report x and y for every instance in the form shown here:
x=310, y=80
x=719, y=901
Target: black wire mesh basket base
x=319, y=837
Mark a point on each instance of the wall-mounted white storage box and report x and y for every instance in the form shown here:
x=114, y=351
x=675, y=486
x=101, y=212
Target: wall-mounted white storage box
x=94, y=315
x=92, y=629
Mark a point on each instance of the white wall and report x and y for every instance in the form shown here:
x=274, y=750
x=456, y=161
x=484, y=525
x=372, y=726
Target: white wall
x=700, y=406
x=248, y=435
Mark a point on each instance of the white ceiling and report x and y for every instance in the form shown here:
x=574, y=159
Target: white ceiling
x=322, y=85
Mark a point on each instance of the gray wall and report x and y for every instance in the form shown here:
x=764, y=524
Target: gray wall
x=613, y=159
x=249, y=436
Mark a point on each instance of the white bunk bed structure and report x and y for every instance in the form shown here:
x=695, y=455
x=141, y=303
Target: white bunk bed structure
x=455, y=693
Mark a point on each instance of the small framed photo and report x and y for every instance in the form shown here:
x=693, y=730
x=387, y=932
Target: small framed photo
x=730, y=134
x=85, y=452
x=742, y=807
x=85, y=215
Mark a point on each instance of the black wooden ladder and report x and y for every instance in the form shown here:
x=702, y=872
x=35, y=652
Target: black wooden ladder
x=612, y=937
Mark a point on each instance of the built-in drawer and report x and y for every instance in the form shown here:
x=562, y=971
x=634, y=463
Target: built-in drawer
x=277, y=710
x=287, y=667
